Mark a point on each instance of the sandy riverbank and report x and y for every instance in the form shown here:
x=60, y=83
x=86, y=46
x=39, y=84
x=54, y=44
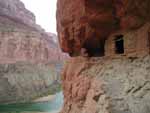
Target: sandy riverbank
x=42, y=112
x=45, y=99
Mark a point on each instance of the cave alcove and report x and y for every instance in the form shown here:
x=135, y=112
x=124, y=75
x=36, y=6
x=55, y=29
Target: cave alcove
x=95, y=49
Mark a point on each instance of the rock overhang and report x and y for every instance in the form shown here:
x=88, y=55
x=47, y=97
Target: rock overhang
x=88, y=23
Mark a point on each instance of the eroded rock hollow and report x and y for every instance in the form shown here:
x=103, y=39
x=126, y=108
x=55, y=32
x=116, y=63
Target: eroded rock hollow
x=88, y=23
x=109, y=41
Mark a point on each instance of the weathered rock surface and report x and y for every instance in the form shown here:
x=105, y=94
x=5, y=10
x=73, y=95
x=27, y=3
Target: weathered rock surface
x=17, y=44
x=117, y=80
x=22, y=82
x=21, y=40
x=88, y=23
x=16, y=10
x=19, y=32
x=101, y=85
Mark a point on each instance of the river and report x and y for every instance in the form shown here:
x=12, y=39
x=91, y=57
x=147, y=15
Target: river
x=52, y=106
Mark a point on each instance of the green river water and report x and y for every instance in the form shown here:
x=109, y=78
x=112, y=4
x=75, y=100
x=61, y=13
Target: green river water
x=44, y=107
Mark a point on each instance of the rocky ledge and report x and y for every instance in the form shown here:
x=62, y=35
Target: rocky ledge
x=102, y=85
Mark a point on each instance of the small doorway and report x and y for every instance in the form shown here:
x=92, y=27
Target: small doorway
x=119, y=44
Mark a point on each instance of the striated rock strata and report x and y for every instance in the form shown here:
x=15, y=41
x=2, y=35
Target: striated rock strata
x=109, y=41
x=16, y=10
x=30, y=60
x=23, y=82
x=20, y=39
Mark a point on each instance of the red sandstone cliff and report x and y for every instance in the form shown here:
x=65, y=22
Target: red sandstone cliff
x=84, y=23
x=117, y=33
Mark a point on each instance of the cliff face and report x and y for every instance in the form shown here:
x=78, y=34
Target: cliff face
x=16, y=10
x=84, y=23
x=101, y=85
x=23, y=82
x=109, y=41
x=21, y=40
x=30, y=60
x=17, y=44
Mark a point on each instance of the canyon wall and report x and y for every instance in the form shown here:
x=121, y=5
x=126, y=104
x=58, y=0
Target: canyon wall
x=102, y=85
x=16, y=10
x=23, y=82
x=87, y=24
x=30, y=59
x=17, y=44
x=21, y=40
x=109, y=42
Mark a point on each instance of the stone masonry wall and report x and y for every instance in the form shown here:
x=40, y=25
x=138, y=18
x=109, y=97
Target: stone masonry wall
x=136, y=42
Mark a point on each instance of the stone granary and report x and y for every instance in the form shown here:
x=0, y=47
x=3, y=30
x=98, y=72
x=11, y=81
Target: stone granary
x=90, y=23
x=117, y=33
x=134, y=43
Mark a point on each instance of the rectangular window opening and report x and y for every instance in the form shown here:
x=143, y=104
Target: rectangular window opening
x=119, y=44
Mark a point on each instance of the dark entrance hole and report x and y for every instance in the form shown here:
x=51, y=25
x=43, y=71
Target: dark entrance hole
x=149, y=41
x=119, y=44
x=95, y=49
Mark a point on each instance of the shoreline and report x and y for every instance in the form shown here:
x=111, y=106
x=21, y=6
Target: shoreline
x=45, y=99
